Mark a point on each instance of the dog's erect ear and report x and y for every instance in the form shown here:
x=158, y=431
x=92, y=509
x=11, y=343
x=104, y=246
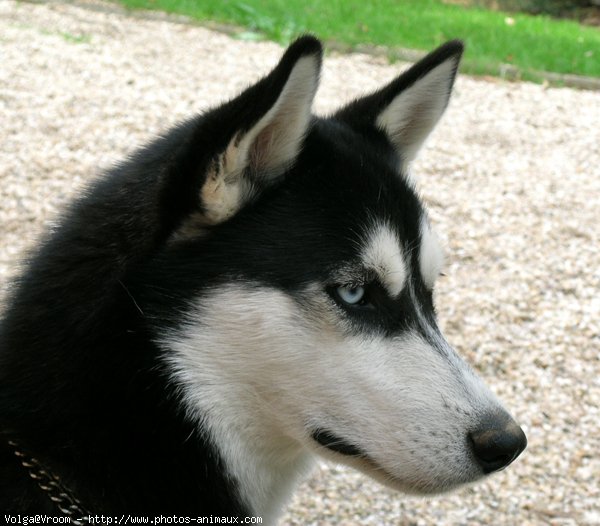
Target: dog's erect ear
x=266, y=126
x=409, y=107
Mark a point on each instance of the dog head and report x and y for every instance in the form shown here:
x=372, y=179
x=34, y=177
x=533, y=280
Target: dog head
x=304, y=284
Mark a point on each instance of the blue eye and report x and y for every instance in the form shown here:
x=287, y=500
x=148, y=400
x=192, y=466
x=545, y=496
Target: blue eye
x=351, y=295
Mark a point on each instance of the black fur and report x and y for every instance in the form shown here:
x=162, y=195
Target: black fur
x=81, y=383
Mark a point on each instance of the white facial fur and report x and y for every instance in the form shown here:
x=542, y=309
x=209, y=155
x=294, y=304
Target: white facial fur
x=431, y=255
x=382, y=254
x=260, y=372
x=231, y=367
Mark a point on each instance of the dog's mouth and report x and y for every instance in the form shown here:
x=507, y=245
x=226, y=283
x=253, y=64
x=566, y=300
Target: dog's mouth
x=358, y=457
x=339, y=445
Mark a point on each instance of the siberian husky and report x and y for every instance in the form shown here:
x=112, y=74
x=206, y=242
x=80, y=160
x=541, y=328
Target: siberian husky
x=248, y=291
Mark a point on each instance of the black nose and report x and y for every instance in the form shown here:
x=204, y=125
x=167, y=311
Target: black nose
x=496, y=446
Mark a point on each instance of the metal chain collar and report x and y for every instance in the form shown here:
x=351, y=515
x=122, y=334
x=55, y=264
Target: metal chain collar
x=52, y=486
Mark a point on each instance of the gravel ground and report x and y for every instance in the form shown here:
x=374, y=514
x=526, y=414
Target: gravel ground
x=512, y=177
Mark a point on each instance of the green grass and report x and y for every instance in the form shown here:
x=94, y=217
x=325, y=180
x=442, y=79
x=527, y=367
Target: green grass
x=528, y=42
